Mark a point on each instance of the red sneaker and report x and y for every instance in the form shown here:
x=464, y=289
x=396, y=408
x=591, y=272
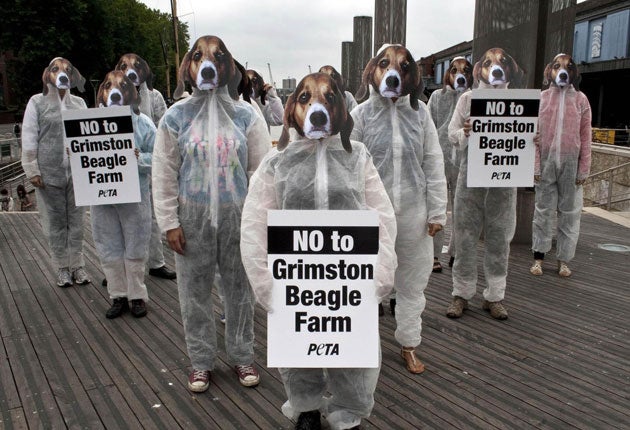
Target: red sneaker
x=247, y=375
x=199, y=380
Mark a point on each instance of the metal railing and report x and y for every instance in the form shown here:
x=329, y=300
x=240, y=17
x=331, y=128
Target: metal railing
x=605, y=189
x=13, y=175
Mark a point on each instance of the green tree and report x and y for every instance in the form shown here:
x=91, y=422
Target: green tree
x=92, y=34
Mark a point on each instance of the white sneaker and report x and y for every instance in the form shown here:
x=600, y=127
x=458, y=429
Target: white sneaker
x=64, y=279
x=563, y=269
x=80, y=276
x=536, y=268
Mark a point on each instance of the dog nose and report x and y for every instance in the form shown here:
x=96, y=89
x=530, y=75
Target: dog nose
x=63, y=79
x=207, y=73
x=132, y=76
x=497, y=73
x=461, y=81
x=115, y=97
x=563, y=76
x=318, y=118
x=391, y=81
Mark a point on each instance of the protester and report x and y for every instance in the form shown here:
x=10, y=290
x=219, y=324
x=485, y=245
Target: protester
x=399, y=133
x=266, y=98
x=207, y=147
x=563, y=162
x=457, y=80
x=122, y=231
x=322, y=170
x=491, y=210
x=45, y=163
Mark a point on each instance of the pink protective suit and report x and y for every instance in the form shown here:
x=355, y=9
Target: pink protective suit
x=563, y=157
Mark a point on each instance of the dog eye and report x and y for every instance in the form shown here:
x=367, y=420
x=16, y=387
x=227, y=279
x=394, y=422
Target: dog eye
x=304, y=98
x=487, y=63
x=123, y=66
x=404, y=66
x=108, y=85
x=196, y=56
x=383, y=63
x=54, y=69
x=556, y=66
x=137, y=64
x=503, y=60
x=330, y=98
x=219, y=55
x=453, y=70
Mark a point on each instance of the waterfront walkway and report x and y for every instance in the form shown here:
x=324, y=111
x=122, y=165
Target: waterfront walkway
x=561, y=361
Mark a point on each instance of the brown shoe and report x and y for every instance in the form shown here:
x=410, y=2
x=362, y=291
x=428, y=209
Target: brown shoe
x=413, y=364
x=563, y=269
x=496, y=309
x=457, y=307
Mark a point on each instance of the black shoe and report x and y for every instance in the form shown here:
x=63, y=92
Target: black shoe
x=392, y=307
x=381, y=311
x=451, y=261
x=104, y=282
x=138, y=308
x=163, y=272
x=308, y=421
x=120, y=306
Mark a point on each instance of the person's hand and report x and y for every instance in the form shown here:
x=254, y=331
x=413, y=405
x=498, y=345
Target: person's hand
x=137, y=152
x=434, y=228
x=580, y=181
x=176, y=240
x=467, y=127
x=37, y=181
x=536, y=179
x=537, y=138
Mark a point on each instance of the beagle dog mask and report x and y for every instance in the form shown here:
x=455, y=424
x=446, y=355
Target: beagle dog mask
x=393, y=73
x=118, y=90
x=317, y=110
x=562, y=72
x=208, y=65
x=496, y=67
x=61, y=74
x=258, y=85
x=240, y=84
x=136, y=69
x=459, y=75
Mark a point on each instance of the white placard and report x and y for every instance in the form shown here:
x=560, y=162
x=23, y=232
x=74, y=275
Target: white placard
x=501, y=150
x=100, y=144
x=325, y=310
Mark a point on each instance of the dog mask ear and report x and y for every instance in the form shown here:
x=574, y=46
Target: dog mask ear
x=547, y=74
x=367, y=79
x=99, y=102
x=343, y=122
x=517, y=75
x=147, y=73
x=184, y=75
x=413, y=74
x=240, y=83
x=477, y=72
x=77, y=80
x=288, y=121
x=45, y=79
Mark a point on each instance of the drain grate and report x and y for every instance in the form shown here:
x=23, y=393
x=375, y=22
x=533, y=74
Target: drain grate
x=614, y=247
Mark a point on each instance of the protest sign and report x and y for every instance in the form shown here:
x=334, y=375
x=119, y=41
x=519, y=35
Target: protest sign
x=100, y=145
x=501, y=148
x=324, y=301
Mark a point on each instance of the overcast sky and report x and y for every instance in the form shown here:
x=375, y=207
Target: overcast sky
x=290, y=35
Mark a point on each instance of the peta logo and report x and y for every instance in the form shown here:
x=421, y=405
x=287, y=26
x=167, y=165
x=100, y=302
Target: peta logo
x=323, y=349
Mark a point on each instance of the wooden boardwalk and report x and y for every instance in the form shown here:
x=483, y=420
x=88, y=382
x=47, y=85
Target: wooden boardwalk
x=561, y=361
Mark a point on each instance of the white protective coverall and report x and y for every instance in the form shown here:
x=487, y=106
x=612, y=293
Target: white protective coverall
x=207, y=146
x=351, y=102
x=441, y=106
x=43, y=154
x=319, y=174
x=562, y=157
x=152, y=104
x=406, y=151
x=491, y=210
x=122, y=231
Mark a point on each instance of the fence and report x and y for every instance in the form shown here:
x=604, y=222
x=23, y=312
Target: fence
x=10, y=148
x=612, y=136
